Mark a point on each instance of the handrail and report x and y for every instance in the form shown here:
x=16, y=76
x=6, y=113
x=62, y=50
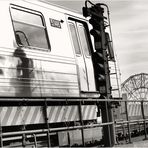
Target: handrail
x=131, y=121
x=53, y=130
x=69, y=99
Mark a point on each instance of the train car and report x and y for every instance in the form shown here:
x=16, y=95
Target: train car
x=47, y=51
x=45, y=56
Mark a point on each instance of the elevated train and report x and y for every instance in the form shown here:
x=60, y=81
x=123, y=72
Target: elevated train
x=45, y=61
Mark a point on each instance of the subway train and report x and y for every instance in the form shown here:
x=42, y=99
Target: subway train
x=46, y=70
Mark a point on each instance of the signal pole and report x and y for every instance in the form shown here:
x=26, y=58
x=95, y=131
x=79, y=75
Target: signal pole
x=101, y=68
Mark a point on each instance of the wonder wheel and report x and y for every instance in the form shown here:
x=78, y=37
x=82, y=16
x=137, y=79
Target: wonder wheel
x=136, y=87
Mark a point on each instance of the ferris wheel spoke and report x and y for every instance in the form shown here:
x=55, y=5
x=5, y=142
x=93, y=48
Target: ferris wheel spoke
x=136, y=87
x=130, y=92
x=146, y=86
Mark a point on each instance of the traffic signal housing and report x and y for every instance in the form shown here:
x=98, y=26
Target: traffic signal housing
x=100, y=59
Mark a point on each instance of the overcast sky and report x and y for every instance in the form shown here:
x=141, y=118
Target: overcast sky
x=129, y=20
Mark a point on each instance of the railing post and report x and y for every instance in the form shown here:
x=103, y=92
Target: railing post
x=35, y=141
x=139, y=127
x=107, y=139
x=128, y=124
x=23, y=137
x=68, y=137
x=81, y=119
x=112, y=126
x=46, y=120
x=144, y=123
x=123, y=128
x=1, y=136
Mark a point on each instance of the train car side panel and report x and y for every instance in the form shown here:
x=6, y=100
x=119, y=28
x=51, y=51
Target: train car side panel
x=33, y=71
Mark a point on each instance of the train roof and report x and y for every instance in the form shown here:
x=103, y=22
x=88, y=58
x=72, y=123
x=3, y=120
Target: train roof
x=55, y=7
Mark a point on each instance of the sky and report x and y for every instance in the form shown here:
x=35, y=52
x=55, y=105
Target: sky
x=129, y=23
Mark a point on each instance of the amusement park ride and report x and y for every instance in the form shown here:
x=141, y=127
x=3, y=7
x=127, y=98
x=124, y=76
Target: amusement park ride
x=136, y=87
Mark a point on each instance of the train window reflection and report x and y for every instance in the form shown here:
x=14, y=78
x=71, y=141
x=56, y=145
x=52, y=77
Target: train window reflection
x=84, y=40
x=29, y=29
x=24, y=16
x=33, y=36
x=74, y=38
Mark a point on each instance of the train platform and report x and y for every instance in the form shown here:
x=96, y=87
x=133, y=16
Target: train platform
x=138, y=144
x=135, y=144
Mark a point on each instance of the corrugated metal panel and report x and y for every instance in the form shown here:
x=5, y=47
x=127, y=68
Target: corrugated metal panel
x=40, y=78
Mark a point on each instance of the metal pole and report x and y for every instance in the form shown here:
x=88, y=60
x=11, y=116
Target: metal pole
x=144, y=123
x=128, y=124
x=81, y=119
x=23, y=137
x=46, y=120
x=35, y=141
x=123, y=128
x=1, y=137
x=68, y=137
x=106, y=128
x=139, y=127
x=112, y=127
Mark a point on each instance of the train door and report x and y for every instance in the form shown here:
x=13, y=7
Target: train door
x=83, y=56
x=85, y=46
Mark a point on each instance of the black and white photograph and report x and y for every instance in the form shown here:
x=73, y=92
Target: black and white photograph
x=73, y=73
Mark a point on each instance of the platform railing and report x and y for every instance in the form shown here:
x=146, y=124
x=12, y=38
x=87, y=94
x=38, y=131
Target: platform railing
x=134, y=114
x=126, y=122
x=22, y=135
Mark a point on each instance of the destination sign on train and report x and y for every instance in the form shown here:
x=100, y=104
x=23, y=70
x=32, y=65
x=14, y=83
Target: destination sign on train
x=55, y=23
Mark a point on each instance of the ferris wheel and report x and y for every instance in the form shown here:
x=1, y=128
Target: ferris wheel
x=136, y=87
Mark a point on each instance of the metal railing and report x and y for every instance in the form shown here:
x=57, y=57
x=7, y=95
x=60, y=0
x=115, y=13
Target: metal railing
x=126, y=126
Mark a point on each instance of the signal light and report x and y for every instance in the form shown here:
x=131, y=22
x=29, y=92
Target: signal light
x=98, y=57
x=99, y=61
x=101, y=78
x=97, y=38
x=99, y=67
x=95, y=33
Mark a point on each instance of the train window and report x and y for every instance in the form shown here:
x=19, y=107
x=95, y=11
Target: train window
x=84, y=40
x=29, y=29
x=74, y=38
